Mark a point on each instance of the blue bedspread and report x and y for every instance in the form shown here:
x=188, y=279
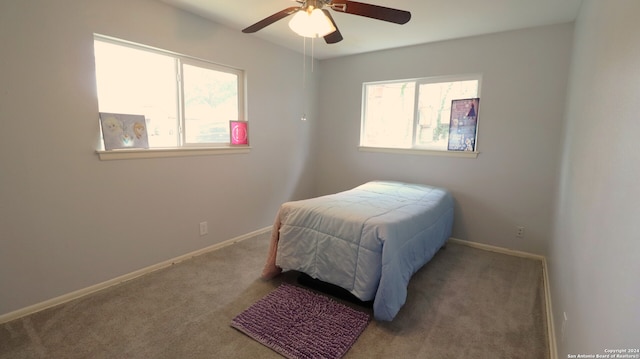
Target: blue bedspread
x=369, y=240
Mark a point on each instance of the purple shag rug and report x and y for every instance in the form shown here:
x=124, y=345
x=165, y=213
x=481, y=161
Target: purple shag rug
x=298, y=323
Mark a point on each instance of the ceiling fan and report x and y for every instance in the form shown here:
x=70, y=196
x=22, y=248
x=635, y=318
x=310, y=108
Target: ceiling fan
x=333, y=35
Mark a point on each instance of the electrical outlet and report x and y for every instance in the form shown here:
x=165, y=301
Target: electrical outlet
x=520, y=232
x=203, y=228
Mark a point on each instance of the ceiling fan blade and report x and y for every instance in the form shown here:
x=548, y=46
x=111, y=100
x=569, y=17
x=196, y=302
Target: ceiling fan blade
x=335, y=36
x=271, y=19
x=373, y=11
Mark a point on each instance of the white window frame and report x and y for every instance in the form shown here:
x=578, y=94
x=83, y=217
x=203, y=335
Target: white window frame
x=183, y=148
x=417, y=149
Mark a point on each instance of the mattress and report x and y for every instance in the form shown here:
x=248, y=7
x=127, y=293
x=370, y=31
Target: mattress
x=368, y=240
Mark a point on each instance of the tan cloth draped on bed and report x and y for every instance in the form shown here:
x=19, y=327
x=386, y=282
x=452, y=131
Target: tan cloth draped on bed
x=270, y=268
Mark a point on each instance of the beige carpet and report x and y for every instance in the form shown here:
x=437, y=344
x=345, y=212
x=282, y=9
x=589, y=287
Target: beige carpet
x=465, y=303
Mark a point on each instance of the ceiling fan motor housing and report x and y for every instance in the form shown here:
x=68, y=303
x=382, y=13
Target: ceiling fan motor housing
x=309, y=5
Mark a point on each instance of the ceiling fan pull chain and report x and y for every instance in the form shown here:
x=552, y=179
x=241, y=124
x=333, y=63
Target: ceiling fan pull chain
x=312, y=48
x=304, y=79
x=304, y=63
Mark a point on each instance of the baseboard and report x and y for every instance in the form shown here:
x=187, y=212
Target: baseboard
x=551, y=331
x=490, y=248
x=553, y=349
x=129, y=276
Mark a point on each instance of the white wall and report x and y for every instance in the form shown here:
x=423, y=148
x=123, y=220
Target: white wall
x=68, y=220
x=512, y=181
x=594, y=258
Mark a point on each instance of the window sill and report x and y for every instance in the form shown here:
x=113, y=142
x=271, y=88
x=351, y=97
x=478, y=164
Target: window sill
x=409, y=151
x=129, y=154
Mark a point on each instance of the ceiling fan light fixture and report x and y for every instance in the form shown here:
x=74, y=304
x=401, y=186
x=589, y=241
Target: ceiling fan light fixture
x=311, y=23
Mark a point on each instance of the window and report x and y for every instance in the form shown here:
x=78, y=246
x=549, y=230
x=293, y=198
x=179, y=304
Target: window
x=186, y=102
x=412, y=114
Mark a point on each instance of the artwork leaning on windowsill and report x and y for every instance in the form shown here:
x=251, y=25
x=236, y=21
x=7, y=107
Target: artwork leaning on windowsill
x=120, y=131
x=239, y=133
x=463, y=125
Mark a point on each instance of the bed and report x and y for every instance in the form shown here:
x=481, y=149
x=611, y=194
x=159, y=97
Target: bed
x=368, y=240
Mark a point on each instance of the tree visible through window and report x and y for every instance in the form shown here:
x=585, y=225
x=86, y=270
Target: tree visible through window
x=412, y=114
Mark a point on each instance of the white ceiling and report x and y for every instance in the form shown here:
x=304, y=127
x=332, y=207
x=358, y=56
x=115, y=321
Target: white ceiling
x=431, y=20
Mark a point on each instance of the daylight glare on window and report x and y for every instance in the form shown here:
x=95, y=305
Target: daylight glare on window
x=132, y=81
x=412, y=114
x=389, y=109
x=184, y=101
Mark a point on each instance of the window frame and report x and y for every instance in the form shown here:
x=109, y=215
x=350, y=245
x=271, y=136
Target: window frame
x=416, y=149
x=215, y=67
x=183, y=148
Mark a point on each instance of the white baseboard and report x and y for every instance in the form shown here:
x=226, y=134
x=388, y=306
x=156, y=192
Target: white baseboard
x=129, y=276
x=553, y=349
x=551, y=331
x=488, y=247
